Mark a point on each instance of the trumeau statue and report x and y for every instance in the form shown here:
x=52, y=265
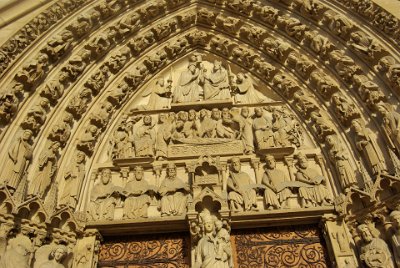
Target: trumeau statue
x=174, y=193
x=138, y=196
x=276, y=193
x=368, y=148
x=18, y=159
x=73, y=180
x=47, y=170
x=213, y=250
x=18, y=253
x=313, y=192
x=103, y=198
x=395, y=239
x=374, y=252
x=241, y=192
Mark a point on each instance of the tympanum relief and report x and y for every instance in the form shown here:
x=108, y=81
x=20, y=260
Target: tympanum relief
x=248, y=146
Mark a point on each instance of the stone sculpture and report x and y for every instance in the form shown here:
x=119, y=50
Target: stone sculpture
x=374, y=252
x=245, y=92
x=368, y=148
x=216, y=84
x=144, y=138
x=47, y=170
x=18, y=159
x=213, y=250
x=160, y=94
x=174, y=193
x=391, y=124
x=313, y=192
x=55, y=258
x=341, y=160
x=262, y=127
x=246, y=130
x=228, y=126
x=138, y=196
x=241, y=192
x=395, y=239
x=276, y=193
x=164, y=132
x=18, y=253
x=103, y=198
x=36, y=115
x=188, y=89
x=73, y=180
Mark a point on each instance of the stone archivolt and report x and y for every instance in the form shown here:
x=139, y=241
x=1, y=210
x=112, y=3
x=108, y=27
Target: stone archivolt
x=144, y=92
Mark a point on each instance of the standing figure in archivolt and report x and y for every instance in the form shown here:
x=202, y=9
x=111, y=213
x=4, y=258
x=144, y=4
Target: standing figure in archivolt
x=17, y=161
x=47, y=170
x=174, y=193
x=216, y=84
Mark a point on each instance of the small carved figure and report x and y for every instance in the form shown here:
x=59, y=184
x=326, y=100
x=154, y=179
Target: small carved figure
x=89, y=138
x=322, y=124
x=33, y=72
x=55, y=258
x=160, y=94
x=58, y=45
x=9, y=102
x=324, y=83
x=246, y=130
x=369, y=91
x=121, y=143
x=118, y=95
x=47, y=170
x=155, y=60
x=174, y=193
x=318, y=43
x=62, y=131
x=77, y=64
x=368, y=148
x=375, y=252
x=344, y=65
x=292, y=26
x=391, y=124
x=262, y=127
x=365, y=45
x=241, y=194
x=78, y=103
x=276, y=193
x=102, y=116
x=227, y=24
x=228, y=127
x=208, y=125
x=164, y=132
x=216, y=84
x=97, y=81
x=345, y=110
x=144, y=138
x=164, y=29
x=137, y=194
x=313, y=192
x=395, y=239
x=103, y=198
x=341, y=160
x=129, y=24
x=241, y=6
x=73, y=180
x=339, y=24
x=118, y=60
x=277, y=49
x=36, y=116
x=267, y=14
x=286, y=128
x=54, y=89
x=17, y=161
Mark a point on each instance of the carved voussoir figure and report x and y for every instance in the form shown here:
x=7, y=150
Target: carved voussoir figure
x=174, y=193
x=395, y=239
x=17, y=161
x=47, y=170
x=374, y=251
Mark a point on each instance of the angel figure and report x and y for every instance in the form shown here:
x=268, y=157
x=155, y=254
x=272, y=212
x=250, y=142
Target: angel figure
x=160, y=95
x=244, y=90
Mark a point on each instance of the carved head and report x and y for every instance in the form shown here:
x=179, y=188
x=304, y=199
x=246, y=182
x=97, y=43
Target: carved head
x=147, y=120
x=26, y=136
x=215, y=114
x=239, y=77
x=139, y=173
x=245, y=112
x=183, y=116
x=162, y=118
x=258, y=111
x=218, y=225
x=192, y=115
x=208, y=223
x=395, y=218
x=192, y=67
x=203, y=113
x=356, y=124
x=171, y=171
x=55, y=146
x=270, y=161
x=226, y=113
x=160, y=81
x=217, y=65
x=302, y=160
x=365, y=232
x=235, y=164
x=58, y=253
x=106, y=176
x=80, y=157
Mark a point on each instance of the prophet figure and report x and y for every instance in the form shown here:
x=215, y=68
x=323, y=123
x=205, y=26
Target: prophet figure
x=241, y=194
x=137, y=196
x=274, y=195
x=19, y=157
x=216, y=84
x=173, y=193
x=314, y=192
